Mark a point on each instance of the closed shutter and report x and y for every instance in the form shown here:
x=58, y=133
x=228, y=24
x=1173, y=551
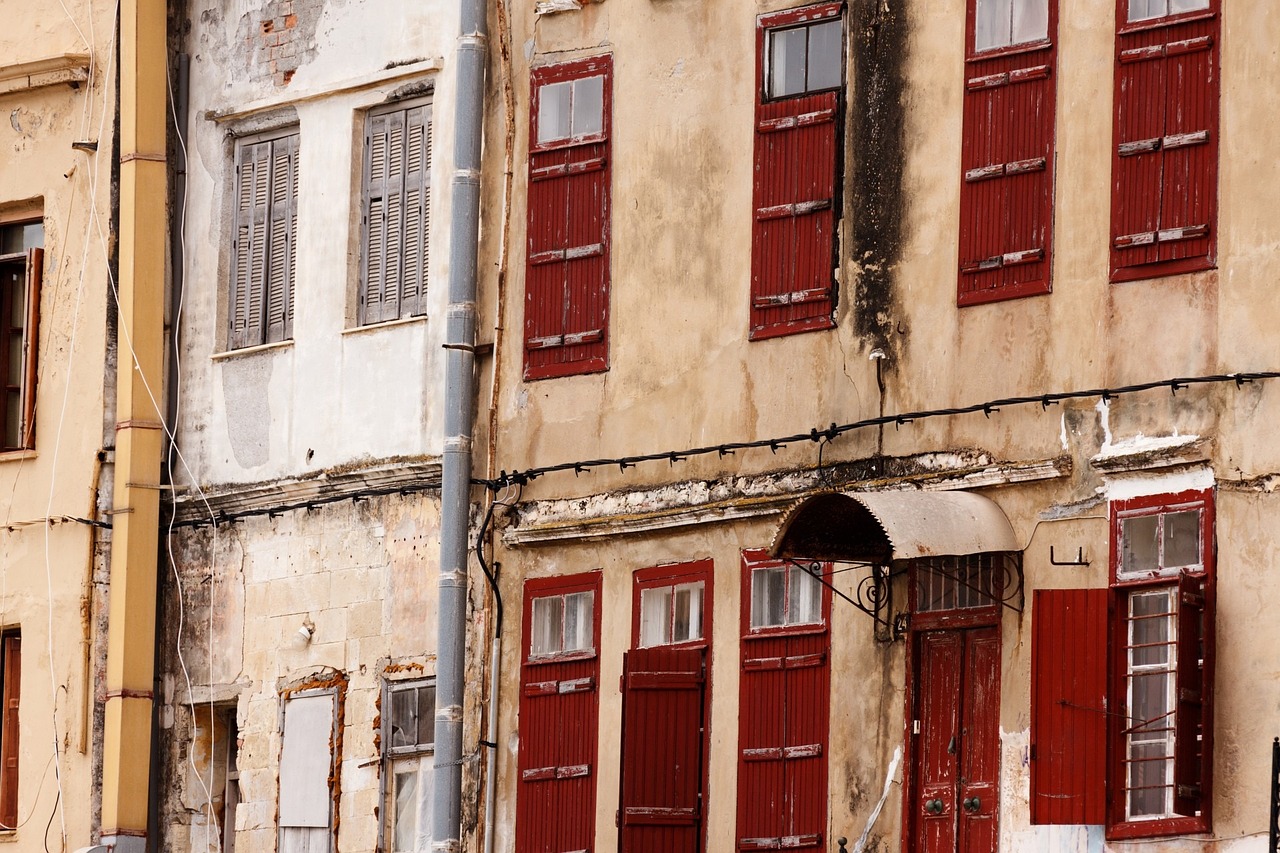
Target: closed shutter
x=253, y=181
x=559, y=703
x=1164, y=170
x=662, y=738
x=9, y=730
x=1006, y=193
x=1068, y=706
x=1193, y=722
x=567, y=266
x=31, y=346
x=794, y=199
x=417, y=212
x=283, y=225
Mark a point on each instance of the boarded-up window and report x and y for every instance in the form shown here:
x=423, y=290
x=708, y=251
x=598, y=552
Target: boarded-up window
x=784, y=711
x=566, y=310
x=1164, y=198
x=559, y=705
x=798, y=130
x=264, y=253
x=21, y=268
x=1006, y=190
x=397, y=213
x=408, y=742
x=306, y=773
x=10, y=690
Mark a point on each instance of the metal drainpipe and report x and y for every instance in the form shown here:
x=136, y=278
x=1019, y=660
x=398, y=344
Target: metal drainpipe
x=460, y=392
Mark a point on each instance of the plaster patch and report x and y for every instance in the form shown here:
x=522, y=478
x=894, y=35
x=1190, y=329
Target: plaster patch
x=1143, y=444
x=245, y=383
x=1123, y=488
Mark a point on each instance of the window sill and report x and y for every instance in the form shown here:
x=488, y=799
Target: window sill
x=1157, y=828
x=8, y=836
x=14, y=456
x=386, y=324
x=228, y=355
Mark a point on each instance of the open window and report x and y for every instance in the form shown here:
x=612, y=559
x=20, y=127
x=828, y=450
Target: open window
x=21, y=270
x=408, y=745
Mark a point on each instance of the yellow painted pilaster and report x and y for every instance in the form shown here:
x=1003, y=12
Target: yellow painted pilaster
x=139, y=437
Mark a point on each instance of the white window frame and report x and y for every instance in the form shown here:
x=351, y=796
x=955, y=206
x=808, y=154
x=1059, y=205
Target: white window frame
x=585, y=638
x=669, y=594
x=417, y=758
x=789, y=619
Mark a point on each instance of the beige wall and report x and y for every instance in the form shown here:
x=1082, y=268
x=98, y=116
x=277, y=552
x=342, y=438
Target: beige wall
x=682, y=374
x=52, y=578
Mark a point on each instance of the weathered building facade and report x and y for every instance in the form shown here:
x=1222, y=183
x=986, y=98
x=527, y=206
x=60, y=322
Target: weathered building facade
x=57, y=363
x=300, y=560
x=887, y=388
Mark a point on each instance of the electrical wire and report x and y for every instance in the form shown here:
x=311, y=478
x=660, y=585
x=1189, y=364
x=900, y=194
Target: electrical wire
x=835, y=430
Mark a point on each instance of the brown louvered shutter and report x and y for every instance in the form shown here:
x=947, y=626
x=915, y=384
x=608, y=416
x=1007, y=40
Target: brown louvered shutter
x=567, y=265
x=1006, y=192
x=1193, y=723
x=282, y=227
x=1068, y=706
x=31, y=346
x=1165, y=163
x=245, y=311
x=794, y=198
x=417, y=212
x=9, y=730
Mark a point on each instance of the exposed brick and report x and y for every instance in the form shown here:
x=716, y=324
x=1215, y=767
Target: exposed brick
x=290, y=21
x=268, y=26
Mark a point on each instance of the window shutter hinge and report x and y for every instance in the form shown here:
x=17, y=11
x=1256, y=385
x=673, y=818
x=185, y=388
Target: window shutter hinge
x=915, y=727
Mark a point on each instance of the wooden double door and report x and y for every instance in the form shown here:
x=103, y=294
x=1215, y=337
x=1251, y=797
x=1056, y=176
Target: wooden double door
x=953, y=797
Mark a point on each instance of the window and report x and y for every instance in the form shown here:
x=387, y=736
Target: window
x=559, y=714
x=396, y=216
x=566, y=312
x=1122, y=705
x=784, y=594
x=1006, y=189
x=671, y=614
x=799, y=115
x=306, y=770
x=1164, y=172
x=784, y=705
x=408, y=744
x=260, y=307
x=11, y=672
x=21, y=266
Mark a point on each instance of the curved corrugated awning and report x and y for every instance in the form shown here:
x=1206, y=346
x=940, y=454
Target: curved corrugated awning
x=877, y=527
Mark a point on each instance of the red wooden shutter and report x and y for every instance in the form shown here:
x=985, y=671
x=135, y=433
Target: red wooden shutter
x=1006, y=192
x=1192, y=720
x=559, y=703
x=31, y=346
x=9, y=731
x=662, y=769
x=1164, y=170
x=567, y=268
x=794, y=198
x=1068, y=706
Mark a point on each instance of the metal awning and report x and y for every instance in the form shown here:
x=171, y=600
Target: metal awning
x=879, y=527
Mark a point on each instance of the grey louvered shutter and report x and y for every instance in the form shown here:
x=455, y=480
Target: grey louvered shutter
x=384, y=170
x=245, y=308
x=417, y=211
x=279, y=272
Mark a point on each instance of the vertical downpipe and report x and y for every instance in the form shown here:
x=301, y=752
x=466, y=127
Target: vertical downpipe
x=459, y=402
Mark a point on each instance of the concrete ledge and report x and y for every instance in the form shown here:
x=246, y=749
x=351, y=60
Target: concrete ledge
x=69, y=68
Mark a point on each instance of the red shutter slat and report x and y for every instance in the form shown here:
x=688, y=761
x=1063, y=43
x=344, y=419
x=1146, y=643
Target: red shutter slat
x=1006, y=193
x=1195, y=624
x=9, y=751
x=1068, y=706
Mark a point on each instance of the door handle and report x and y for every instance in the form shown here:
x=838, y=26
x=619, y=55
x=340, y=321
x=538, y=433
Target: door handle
x=934, y=806
x=972, y=804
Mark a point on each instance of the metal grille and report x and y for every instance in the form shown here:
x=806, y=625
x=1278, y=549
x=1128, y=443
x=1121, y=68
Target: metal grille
x=960, y=583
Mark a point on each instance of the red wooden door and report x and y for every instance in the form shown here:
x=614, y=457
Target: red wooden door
x=662, y=750
x=957, y=757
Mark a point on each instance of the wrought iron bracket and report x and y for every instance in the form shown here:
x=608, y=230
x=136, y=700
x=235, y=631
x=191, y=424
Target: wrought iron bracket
x=873, y=594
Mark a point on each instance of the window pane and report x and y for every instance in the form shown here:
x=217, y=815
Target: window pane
x=548, y=620
x=553, y=112
x=15, y=360
x=1148, y=773
x=426, y=772
x=427, y=714
x=1140, y=10
x=33, y=235
x=1181, y=539
x=1149, y=629
x=768, y=592
x=588, y=106
x=1149, y=708
x=12, y=409
x=991, y=24
x=825, y=49
x=404, y=718
x=806, y=598
x=1139, y=544
x=404, y=831
x=578, y=617
x=655, y=616
x=687, y=621
x=1178, y=6
x=1030, y=20
x=786, y=62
